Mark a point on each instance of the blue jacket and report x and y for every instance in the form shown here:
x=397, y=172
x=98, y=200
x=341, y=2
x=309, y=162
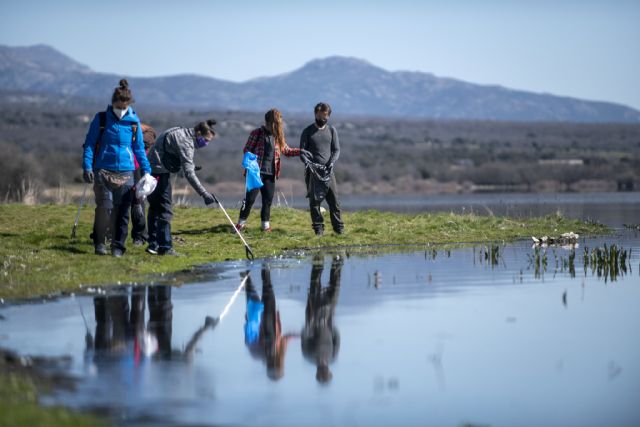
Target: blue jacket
x=116, y=150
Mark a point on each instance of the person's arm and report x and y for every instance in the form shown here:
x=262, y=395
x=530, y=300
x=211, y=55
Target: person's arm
x=187, y=150
x=290, y=152
x=138, y=151
x=252, y=142
x=305, y=155
x=90, y=144
x=335, y=147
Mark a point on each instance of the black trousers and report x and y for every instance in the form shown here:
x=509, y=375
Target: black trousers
x=138, y=220
x=317, y=220
x=160, y=214
x=266, y=191
x=112, y=212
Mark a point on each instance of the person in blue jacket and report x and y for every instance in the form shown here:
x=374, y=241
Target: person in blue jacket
x=114, y=138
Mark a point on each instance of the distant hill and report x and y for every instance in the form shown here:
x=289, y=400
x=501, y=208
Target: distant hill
x=352, y=86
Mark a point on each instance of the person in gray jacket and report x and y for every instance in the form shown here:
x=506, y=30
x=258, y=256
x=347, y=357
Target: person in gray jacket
x=173, y=151
x=319, y=151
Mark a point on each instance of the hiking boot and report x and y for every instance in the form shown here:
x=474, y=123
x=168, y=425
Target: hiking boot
x=101, y=249
x=168, y=252
x=240, y=227
x=151, y=250
x=116, y=252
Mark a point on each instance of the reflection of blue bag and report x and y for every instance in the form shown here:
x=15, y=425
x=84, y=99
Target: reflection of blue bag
x=250, y=163
x=254, y=315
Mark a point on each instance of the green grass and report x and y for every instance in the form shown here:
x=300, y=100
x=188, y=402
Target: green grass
x=37, y=257
x=19, y=406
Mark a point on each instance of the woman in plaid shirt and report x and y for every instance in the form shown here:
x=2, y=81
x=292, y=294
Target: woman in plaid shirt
x=268, y=144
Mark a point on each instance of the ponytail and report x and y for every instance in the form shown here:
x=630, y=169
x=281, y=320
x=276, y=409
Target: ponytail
x=122, y=93
x=206, y=127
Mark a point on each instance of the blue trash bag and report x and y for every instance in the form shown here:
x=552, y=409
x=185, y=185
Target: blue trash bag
x=250, y=163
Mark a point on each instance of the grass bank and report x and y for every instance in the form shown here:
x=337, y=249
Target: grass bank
x=37, y=257
x=20, y=387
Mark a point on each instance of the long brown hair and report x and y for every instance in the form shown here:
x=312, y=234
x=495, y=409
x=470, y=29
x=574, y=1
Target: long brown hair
x=273, y=119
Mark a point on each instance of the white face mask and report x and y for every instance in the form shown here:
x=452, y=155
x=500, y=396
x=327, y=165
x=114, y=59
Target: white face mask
x=120, y=112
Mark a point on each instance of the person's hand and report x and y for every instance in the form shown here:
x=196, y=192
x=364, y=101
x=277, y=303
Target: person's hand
x=209, y=199
x=87, y=176
x=211, y=322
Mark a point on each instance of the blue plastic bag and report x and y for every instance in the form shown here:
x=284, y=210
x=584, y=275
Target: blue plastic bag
x=250, y=163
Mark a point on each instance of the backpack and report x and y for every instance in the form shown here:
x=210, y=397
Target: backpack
x=148, y=135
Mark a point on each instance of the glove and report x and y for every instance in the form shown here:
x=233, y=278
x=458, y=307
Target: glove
x=87, y=176
x=209, y=198
x=211, y=322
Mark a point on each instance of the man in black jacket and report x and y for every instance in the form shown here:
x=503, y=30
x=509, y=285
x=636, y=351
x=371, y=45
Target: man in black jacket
x=320, y=149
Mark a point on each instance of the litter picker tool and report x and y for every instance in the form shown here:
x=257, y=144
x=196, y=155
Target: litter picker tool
x=75, y=223
x=211, y=323
x=226, y=308
x=88, y=338
x=248, y=250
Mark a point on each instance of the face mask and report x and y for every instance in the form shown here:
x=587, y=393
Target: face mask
x=120, y=112
x=201, y=142
x=321, y=122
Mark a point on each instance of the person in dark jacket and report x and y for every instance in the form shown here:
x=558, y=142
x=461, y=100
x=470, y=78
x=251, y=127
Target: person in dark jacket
x=320, y=338
x=108, y=163
x=320, y=149
x=173, y=151
x=138, y=218
x=268, y=143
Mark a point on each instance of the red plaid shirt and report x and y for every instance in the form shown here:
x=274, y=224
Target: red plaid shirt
x=255, y=144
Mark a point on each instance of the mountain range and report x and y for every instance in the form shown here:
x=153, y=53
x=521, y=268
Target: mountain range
x=352, y=86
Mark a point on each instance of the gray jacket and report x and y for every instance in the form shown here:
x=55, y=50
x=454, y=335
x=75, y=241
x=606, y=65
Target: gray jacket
x=181, y=143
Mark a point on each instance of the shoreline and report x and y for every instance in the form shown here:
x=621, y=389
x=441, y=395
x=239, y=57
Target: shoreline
x=39, y=258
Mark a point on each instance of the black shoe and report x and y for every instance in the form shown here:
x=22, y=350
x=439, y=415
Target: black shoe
x=115, y=252
x=169, y=252
x=101, y=249
x=340, y=231
x=319, y=232
x=138, y=242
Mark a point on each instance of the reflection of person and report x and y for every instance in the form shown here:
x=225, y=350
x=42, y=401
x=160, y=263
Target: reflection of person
x=268, y=144
x=263, y=331
x=319, y=150
x=320, y=338
x=120, y=327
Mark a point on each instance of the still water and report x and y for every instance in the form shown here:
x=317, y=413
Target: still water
x=348, y=339
x=422, y=336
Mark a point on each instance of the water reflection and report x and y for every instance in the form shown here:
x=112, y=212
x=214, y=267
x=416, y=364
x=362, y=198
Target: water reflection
x=263, y=329
x=121, y=333
x=320, y=337
x=564, y=339
x=608, y=262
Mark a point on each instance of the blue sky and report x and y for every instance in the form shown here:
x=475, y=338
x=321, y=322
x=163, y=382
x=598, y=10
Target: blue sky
x=585, y=49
